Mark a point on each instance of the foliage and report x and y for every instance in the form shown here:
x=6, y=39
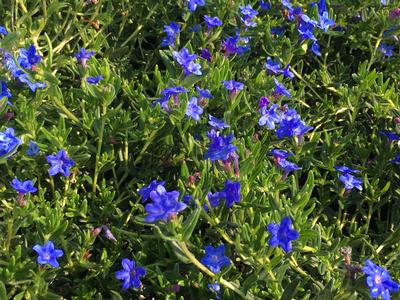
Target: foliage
x=120, y=142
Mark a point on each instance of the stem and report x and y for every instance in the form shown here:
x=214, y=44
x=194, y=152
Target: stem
x=199, y=265
x=96, y=167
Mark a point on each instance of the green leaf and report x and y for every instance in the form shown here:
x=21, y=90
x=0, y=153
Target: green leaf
x=190, y=224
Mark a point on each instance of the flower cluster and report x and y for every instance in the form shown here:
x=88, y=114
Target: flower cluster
x=289, y=121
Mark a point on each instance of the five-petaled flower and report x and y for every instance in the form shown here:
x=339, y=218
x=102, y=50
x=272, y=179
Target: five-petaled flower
x=231, y=192
x=193, y=110
x=33, y=149
x=215, y=258
x=82, y=56
x=146, y=190
x=165, y=205
x=23, y=187
x=350, y=181
x=282, y=234
x=48, y=254
x=60, y=163
x=186, y=60
x=130, y=274
x=379, y=281
x=8, y=141
x=212, y=21
x=233, y=86
x=192, y=4
x=220, y=147
x=28, y=57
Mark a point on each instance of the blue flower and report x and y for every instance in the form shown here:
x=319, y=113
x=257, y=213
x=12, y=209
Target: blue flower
x=3, y=30
x=231, y=192
x=188, y=200
x=172, y=30
x=282, y=234
x=287, y=73
x=269, y=116
x=60, y=163
x=277, y=30
x=170, y=92
x=292, y=125
x=186, y=61
x=165, y=205
x=204, y=94
x=220, y=147
x=396, y=159
x=379, y=281
x=33, y=149
x=315, y=48
x=193, y=110
x=94, y=80
x=212, y=21
x=346, y=170
x=232, y=85
x=17, y=73
x=215, y=287
x=387, y=50
x=23, y=187
x=216, y=123
x=231, y=45
x=264, y=5
x=272, y=66
x=28, y=57
x=146, y=190
x=47, y=254
x=5, y=92
x=214, y=199
x=173, y=91
x=306, y=31
x=8, y=141
x=280, y=154
x=392, y=136
x=288, y=167
x=325, y=22
x=130, y=274
x=280, y=89
x=82, y=56
x=350, y=182
x=248, y=15
x=192, y=4
x=383, y=2
x=287, y=4
x=215, y=258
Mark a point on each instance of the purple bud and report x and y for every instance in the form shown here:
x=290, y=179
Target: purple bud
x=205, y=53
x=108, y=234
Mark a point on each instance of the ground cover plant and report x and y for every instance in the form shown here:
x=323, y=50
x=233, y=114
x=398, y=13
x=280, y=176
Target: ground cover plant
x=199, y=149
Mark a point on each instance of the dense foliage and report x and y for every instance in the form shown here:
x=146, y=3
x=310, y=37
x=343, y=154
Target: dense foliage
x=199, y=149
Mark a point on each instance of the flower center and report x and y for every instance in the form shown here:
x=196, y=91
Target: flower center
x=46, y=256
x=214, y=258
x=378, y=279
